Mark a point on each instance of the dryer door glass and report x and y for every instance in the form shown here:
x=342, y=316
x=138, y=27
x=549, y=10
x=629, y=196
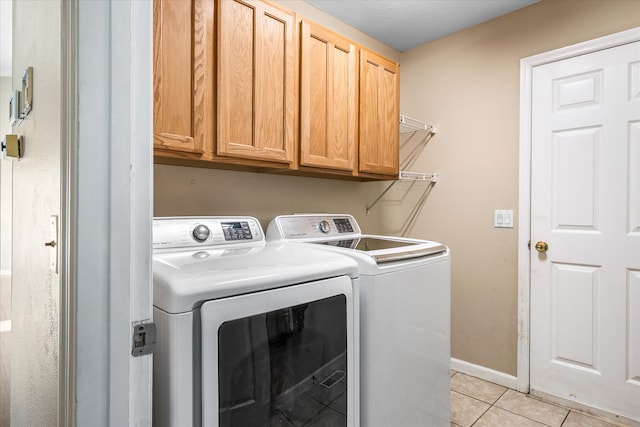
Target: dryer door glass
x=285, y=367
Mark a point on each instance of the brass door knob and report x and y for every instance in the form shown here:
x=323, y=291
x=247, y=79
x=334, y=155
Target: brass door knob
x=542, y=247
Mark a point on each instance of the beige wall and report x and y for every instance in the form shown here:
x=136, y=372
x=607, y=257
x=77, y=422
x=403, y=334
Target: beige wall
x=36, y=196
x=195, y=191
x=468, y=83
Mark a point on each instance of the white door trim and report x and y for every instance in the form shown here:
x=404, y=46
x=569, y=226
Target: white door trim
x=68, y=213
x=524, y=206
x=114, y=211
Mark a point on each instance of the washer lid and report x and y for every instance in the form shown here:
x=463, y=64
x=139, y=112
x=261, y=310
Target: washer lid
x=341, y=231
x=387, y=249
x=184, y=279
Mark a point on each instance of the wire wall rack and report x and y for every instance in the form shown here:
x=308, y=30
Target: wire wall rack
x=415, y=134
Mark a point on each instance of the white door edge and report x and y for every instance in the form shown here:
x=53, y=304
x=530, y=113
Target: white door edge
x=524, y=189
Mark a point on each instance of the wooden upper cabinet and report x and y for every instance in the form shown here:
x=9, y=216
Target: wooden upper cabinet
x=379, y=114
x=328, y=99
x=228, y=93
x=256, y=90
x=181, y=56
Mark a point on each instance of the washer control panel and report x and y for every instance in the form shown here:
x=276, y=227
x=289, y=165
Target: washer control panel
x=343, y=225
x=184, y=232
x=309, y=226
x=236, y=230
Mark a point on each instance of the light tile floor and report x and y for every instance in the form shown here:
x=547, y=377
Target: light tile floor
x=478, y=403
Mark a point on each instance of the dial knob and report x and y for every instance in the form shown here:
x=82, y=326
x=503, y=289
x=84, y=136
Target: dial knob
x=200, y=233
x=324, y=226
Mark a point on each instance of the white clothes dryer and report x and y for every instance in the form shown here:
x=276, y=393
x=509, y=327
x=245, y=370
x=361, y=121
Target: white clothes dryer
x=404, y=317
x=251, y=333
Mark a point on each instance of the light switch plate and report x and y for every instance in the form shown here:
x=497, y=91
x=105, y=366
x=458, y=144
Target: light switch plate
x=503, y=219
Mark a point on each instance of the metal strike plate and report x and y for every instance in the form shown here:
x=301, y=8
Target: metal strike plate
x=53, y=243
x=144, y=339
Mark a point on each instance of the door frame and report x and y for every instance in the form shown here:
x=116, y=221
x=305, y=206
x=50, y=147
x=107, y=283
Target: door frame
x=107, y=151
x=68, y=211
x=524, y=204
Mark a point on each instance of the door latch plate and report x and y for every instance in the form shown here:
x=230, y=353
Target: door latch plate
x=144, y=339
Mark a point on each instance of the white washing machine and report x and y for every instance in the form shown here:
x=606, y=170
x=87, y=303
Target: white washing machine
x=251, y=333
x=404, y=317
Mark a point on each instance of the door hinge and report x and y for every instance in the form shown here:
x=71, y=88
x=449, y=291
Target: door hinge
x=144, y=339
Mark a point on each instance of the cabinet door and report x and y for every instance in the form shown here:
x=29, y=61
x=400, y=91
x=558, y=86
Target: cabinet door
x=379, y=114
x=256, y=99
x=180, y=55
x=328, y=97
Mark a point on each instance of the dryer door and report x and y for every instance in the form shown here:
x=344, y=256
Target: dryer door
x=280, y=356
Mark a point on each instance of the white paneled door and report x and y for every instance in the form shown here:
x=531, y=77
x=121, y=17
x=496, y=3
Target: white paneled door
x=585, y=230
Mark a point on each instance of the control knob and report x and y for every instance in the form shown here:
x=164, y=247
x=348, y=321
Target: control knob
x=324, y=226
x=200, y=233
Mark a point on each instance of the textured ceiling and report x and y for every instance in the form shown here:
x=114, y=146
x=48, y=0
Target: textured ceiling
x=403, y=24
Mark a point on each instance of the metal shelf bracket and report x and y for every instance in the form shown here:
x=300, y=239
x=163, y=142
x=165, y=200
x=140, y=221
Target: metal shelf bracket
x=409, y=125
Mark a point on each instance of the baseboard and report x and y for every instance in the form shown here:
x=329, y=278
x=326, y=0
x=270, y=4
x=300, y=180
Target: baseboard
x=486, y=374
